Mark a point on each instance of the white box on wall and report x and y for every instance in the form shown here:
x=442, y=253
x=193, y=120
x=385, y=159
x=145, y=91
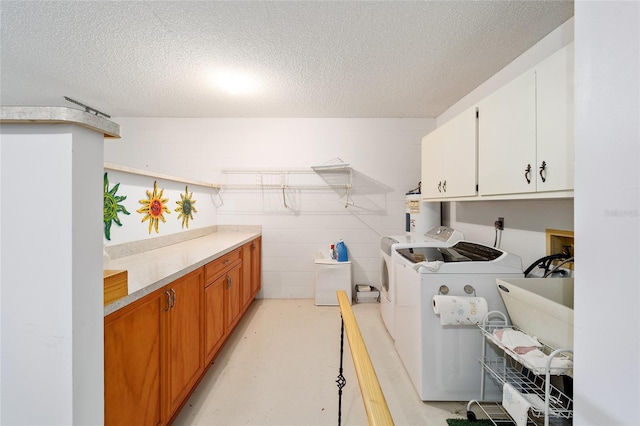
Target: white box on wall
x=331, y=276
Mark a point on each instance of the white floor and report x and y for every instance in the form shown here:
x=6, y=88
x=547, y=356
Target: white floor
x=280, y=366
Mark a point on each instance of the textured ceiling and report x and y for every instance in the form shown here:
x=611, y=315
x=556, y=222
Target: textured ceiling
x=308, y=58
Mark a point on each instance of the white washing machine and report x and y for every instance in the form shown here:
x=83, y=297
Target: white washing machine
x=438, y=236
x=442, y=360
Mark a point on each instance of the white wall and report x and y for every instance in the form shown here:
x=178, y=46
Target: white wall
x=51, y=317
x=135, y=186
x=607, y=204
x=384, y=155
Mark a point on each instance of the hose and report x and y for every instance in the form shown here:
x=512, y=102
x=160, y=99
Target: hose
x=552, y=270
x=545, y=262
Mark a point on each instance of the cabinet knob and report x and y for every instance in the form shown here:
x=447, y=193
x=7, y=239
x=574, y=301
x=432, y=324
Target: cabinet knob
x=527, y=173
x=543, y=171
x=228, y=261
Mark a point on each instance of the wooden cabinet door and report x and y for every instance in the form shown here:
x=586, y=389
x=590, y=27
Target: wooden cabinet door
x=554, y=91
x=132, y=363
x=185, y=338
x=507, y=138
x=232, y=295
x=256, y=266
x=246, y=294
x=214, y=322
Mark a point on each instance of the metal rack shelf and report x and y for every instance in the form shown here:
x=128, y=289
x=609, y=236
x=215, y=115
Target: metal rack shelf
x=281, y=180
x=512, y=368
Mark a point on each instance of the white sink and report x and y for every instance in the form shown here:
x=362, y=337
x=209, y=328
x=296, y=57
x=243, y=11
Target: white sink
x=541, y=307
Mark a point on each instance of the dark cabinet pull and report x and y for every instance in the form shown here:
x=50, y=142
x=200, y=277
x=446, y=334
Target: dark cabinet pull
x=440, y=186
x=168, y=301
x=543, y=171
x=527, y=173
x=444, y=186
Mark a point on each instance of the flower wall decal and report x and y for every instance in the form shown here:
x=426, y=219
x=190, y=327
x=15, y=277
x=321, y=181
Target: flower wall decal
x=154, y=208
x=111, y=207
x=186, y=207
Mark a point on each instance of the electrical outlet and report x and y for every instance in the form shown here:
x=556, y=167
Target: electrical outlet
x=499, y=224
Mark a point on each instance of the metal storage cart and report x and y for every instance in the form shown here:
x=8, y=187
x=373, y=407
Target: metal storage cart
x=529, y=379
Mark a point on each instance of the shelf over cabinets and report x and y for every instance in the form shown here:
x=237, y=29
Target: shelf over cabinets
x=449, y=159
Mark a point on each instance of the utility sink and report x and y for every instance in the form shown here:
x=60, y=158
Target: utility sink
x=541, y=307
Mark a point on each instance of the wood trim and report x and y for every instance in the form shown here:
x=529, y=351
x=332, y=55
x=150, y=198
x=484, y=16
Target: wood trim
x=374, y=402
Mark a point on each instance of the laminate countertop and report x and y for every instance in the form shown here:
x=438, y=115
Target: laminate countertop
x=151, y=270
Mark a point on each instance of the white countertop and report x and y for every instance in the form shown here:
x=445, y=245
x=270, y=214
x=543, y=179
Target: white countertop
x=153, y=269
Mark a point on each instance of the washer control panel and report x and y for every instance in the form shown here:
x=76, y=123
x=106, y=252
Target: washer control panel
x=444, y=234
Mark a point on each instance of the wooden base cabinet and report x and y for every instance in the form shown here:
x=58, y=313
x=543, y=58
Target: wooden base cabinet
x=154, y=354
x=185, y=339
x=215, y=324
x=256, y=266
x=156, y=349
x=251, y=271
x=133, y=363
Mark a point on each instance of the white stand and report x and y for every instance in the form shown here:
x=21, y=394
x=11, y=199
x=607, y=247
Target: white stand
x=332, y=276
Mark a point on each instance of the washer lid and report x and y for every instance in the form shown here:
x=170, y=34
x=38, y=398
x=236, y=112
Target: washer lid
x=462, y=251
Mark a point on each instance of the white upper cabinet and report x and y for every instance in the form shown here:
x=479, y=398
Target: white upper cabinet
x=449, y=160
x=525, y=134
x=507, y=138
x=554, y=91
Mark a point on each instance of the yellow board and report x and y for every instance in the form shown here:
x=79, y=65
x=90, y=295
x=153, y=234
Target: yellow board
x=115, y=285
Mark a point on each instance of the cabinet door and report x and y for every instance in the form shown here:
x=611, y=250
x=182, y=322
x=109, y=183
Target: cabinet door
x=554, y=85
x=507, y=138
x=256, y=266
x=459, y=155
x=185, y=338
x=132, y=363
x=214, y=324
x=232, y=296
x=245, y=292
x=431, y=184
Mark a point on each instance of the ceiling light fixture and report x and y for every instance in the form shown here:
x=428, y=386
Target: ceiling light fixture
x=234, y=83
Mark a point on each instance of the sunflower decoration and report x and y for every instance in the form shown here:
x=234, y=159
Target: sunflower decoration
x=111, y=207
x=186, y=207
x=154, y=207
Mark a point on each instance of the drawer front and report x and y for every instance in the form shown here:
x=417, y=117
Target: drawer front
x=219, y=266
